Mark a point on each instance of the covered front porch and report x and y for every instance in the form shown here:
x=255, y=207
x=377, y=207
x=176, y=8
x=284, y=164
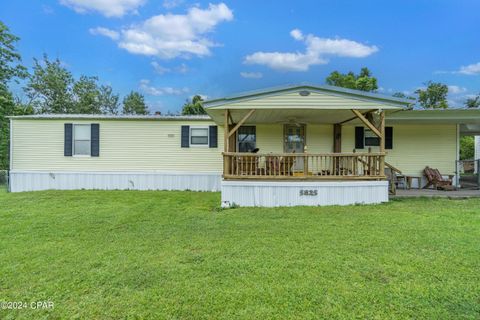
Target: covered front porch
x=289, y=146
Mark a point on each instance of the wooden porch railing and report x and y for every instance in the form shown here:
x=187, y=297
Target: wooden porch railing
x=324, y=166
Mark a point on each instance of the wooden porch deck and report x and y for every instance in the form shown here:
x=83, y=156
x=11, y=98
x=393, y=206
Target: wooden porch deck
x=304, y=166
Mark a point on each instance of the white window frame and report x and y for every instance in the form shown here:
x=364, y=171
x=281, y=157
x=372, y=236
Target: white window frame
x=73, y=140
x=196, y=144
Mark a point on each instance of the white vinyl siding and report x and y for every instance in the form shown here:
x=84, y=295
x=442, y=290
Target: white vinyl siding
x=415, y=147
x=127, y=145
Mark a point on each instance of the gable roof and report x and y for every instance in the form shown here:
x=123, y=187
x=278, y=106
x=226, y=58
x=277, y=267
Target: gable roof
x=307, y=89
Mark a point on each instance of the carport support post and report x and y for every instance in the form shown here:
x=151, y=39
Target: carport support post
x=226, y=159
x=337, y=138
x=382, y=142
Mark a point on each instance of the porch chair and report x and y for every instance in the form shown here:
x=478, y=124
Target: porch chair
x=435, y=179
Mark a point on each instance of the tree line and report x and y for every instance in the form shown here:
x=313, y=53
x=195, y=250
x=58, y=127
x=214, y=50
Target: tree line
x=432, y=96
x=51, y=88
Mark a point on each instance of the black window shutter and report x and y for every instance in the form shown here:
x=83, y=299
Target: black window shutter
x=359, y=137
x=185, y=143
x=213, y=142
x=95, y=140
x=68, y=136
x=388, y=137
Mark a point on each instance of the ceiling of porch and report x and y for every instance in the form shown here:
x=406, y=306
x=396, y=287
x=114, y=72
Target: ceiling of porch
x=287, y=116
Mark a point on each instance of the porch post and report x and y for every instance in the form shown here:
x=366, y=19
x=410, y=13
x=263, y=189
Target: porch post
x=226, y=131
x=226, y=158
x=337, y=138
x=382, y=142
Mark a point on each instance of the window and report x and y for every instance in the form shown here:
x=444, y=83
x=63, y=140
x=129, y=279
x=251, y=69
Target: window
x=371, y=139
x=81, y=139
x=199, y=136
x=247, y=139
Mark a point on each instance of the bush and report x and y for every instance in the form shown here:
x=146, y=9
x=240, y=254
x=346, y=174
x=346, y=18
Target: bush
x=3, y=177
x=467, y=148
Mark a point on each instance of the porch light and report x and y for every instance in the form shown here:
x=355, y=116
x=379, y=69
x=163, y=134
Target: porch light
x=304, y=93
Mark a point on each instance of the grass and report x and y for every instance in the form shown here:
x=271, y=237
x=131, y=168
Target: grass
x=175, y=255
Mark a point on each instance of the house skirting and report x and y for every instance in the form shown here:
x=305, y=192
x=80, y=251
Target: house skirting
x=308, y=193
x=60, y=180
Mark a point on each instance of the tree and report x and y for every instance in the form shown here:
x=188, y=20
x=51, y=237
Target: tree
x=109, y=101
x=473, y=102
x=434, y=96
x=87, y=96
x=193, y=107
x=467, y=148
x=50, y=87
x=363, y=81
x=10, y=59
x=134, y=103
x=10, y=70
x=399, y=95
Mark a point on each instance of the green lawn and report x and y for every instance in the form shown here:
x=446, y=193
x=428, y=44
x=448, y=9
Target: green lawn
x=175, y=255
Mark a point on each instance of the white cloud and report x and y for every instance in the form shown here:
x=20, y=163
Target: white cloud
x=109, y=8
x=147, y=88
x=170, y=4
x=158, y=68
x=168, y=36
x=183, y=68
x=251, y=75
x=297, y=34
x=456, y=89
x=471, y=69
x=316, y=52
x=112, y=34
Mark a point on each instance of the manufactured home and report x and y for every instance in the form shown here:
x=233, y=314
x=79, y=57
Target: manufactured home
x=292, y=145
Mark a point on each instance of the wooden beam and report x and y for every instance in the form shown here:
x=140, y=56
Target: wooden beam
x=225, y=131
x=230, y=117
x=382, y=142
x=337, y=138
x=353, y=118
x=382, y=131
x=241, y=122
x=226, y=160
x=393, y=168
x=367, y=123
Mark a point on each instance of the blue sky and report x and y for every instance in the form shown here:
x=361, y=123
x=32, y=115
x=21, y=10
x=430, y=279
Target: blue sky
x=170, y=50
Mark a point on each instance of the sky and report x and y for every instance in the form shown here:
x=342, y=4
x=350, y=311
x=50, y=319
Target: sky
x=170, y=50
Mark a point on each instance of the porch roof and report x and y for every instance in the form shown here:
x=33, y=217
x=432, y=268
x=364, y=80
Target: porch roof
x=440, y=116
x=467, y=119
x=301, y=103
